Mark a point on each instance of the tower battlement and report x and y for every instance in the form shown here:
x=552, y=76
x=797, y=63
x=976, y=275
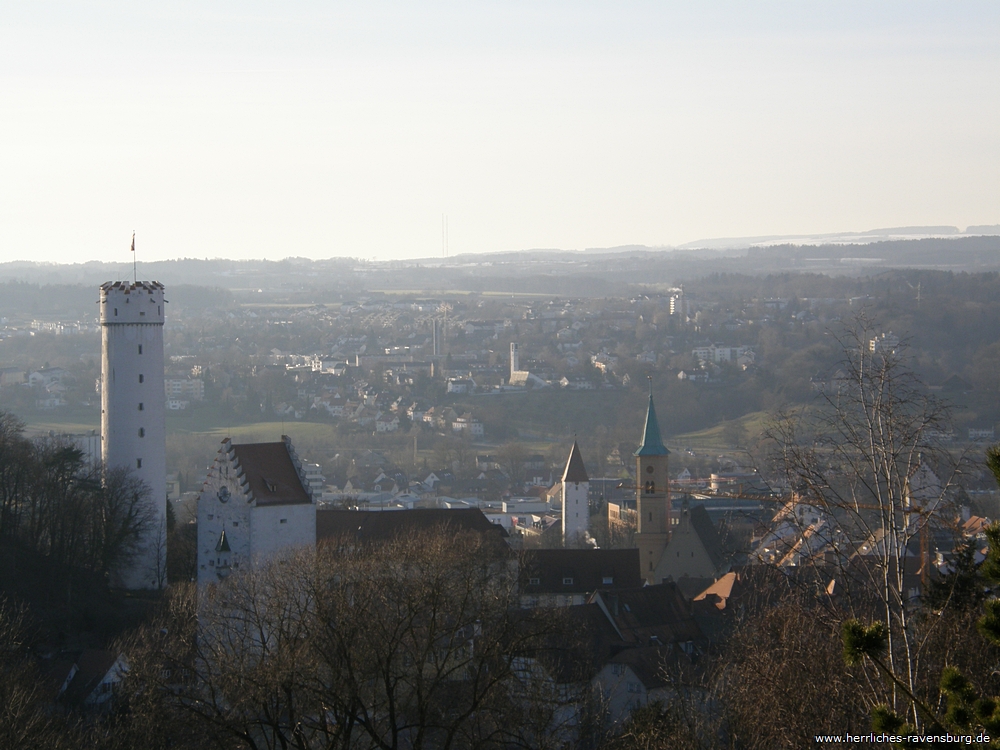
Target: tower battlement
x=132, y=302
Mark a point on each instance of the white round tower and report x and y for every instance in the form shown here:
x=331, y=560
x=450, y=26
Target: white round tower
x=133, y=424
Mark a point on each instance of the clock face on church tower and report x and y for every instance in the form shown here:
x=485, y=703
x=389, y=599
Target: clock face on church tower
x=223, y=494
x=649, y=469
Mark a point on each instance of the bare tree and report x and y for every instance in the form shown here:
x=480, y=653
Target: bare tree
x=870, y=453
x=511, y=458
x=121, y=515
x=411, y=643
x=23, y=719
x=56, y=503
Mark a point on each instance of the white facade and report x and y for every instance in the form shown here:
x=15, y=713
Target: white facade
x=192, y=389
x=133, y=427
x=718, y=353
x=255, y=504
x=576, y=513
x=574, y=495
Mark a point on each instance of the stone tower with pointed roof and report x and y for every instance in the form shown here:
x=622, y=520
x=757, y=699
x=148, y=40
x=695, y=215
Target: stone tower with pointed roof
x=575, y=508
x=652, y=495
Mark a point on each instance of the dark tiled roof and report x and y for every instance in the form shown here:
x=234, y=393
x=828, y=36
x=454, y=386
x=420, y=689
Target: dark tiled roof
x=93, y=664
x=589, y=569
x=647, y=662
x=575, y=470
x=657, y=612
x=271, y=473
x=383, y=526
x=56, y=677
x=577, y=658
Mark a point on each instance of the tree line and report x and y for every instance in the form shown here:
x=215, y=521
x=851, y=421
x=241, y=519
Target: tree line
x=60, y=506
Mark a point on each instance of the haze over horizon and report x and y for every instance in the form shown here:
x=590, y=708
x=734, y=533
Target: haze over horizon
x=258, y=130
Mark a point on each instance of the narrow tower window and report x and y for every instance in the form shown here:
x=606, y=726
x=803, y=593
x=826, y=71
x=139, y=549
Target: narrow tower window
x=141, y=378
x=140, y=348
x=142, y=432
x=138, y=463
x=116, y=312
x=140, y=406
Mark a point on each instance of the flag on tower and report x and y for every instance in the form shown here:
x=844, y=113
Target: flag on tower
x=133, y=242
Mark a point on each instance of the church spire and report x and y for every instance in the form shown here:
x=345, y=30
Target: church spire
x=575, y=470
x=652, y=441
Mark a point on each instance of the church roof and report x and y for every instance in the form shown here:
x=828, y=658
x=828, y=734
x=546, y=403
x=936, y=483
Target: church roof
x=652, y=442
x=708, y=535
x=575, y=470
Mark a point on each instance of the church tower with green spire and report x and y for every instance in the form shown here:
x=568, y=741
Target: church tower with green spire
x=652, y=495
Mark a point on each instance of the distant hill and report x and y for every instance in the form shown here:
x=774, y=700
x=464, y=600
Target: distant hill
x=594, y=272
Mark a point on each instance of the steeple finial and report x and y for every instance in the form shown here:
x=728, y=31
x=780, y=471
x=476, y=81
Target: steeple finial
x=652, y=441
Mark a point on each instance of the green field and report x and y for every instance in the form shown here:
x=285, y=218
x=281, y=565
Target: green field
x=716, y=438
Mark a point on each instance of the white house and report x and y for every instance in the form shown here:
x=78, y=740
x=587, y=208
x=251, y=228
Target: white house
x=469, y=425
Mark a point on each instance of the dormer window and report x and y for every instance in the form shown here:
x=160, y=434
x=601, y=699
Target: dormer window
x=608, y=580
x=568, y=581
x=534, y=581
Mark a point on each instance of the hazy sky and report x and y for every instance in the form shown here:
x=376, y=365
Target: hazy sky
x=268, y=129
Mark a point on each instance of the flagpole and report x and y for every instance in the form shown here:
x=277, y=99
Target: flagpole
x=134, y=280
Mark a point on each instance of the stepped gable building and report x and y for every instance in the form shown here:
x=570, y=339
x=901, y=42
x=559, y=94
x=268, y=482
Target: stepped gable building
x=255, y=504
x=133, y=423
x=574, y=492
